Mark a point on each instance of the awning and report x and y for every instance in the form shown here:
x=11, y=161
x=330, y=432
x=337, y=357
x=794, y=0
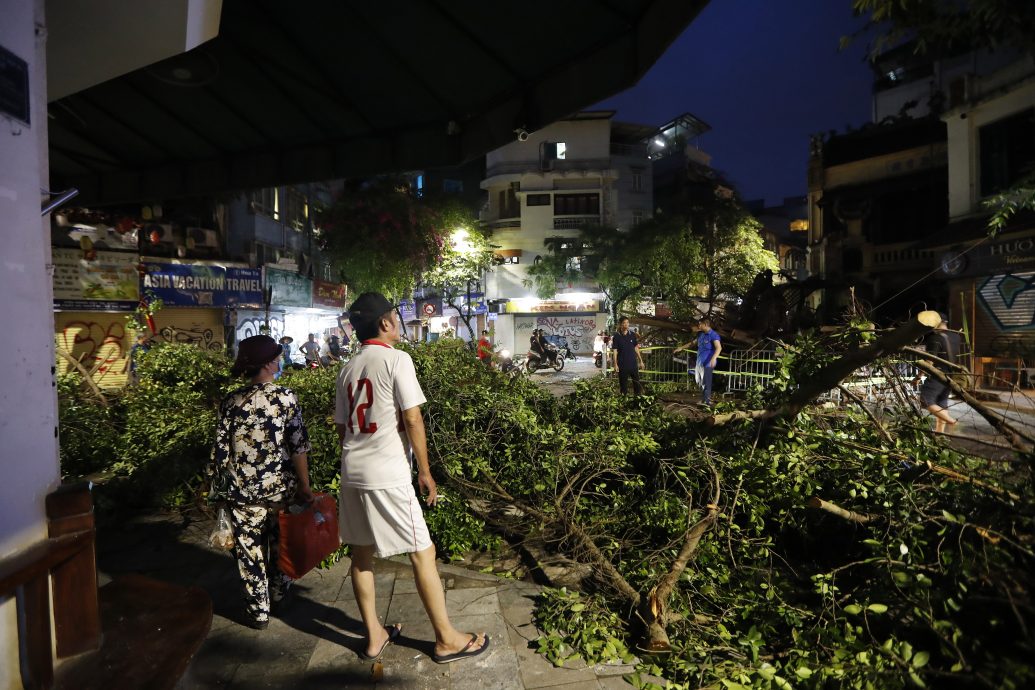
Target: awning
x=290, y=93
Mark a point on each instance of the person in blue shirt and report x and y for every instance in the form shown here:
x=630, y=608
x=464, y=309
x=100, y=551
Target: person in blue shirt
x=709, y=345
x=626, y=357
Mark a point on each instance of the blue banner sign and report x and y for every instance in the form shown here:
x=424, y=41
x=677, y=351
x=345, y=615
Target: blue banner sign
x=202, y=285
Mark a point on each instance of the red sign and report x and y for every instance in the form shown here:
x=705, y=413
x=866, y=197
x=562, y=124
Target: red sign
x=428, y=308
x=329, y=294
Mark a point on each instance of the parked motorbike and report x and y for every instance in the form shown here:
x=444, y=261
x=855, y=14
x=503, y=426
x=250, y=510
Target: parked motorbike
x=506, y=364
x=598, y=359
x=534, y=362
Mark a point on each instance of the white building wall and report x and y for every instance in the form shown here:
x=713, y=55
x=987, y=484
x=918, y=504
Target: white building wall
x=993, y=98
x=28, y=405
x=588, y=167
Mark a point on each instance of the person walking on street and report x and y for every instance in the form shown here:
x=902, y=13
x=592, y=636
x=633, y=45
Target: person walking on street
x=311, y=350
x=943, y=344
x=285, y=356
x=485, y=349
x=709, y=345
x=260, y=461
x=378, y=419
x=626, y=357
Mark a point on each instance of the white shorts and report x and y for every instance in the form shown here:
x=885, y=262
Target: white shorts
x=390, y=519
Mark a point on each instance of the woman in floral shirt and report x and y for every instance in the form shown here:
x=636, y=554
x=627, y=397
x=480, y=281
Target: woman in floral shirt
x=261, y=459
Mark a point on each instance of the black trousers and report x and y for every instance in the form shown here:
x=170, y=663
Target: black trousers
x=623, y=380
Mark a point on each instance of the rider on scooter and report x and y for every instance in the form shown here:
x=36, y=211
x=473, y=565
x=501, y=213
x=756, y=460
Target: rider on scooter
x=549, y=352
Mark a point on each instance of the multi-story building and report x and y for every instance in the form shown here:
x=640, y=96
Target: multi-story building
x=544, y=187
x=898, y=209
x=785, y=232
x=223, y=271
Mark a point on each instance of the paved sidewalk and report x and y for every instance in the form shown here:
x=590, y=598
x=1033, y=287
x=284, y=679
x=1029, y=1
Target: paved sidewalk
x=314, y=643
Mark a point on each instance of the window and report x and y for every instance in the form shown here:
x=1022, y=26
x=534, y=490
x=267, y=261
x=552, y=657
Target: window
x=576, y=204
x=550, y=151
x=537, y=200
x=637, y=180
x=419, y=186
x=637, y=217
x=294, y=209
x=264, y=201
x=452, y=186
x=508, y=202
x=1007, y=151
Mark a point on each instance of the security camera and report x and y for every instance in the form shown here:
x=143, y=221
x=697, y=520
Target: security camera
x=522, y=134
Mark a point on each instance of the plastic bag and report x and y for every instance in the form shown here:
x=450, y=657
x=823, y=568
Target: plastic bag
x=308, y=534
x=222, y=536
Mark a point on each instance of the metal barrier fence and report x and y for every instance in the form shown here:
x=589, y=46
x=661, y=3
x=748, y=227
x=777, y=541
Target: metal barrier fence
x=886, y=382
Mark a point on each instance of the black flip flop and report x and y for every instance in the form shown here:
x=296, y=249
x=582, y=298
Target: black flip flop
x=464, y=653
x=393, y=634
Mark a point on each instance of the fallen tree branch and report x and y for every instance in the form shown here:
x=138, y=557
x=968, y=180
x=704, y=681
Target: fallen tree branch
x=869, y=413
x=834, y=509
x=655, y=608
x=1019, y=439
x=87, y=377
x=831, y=376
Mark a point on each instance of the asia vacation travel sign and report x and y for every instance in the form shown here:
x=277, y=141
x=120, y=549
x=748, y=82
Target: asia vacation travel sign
x=106, y=281
x=202, y=285
x=288, y=288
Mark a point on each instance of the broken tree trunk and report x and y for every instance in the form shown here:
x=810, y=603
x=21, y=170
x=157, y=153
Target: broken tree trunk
x=654, y=609
x=831, y=376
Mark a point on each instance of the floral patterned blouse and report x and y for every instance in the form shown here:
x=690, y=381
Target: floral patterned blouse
x=260, y=427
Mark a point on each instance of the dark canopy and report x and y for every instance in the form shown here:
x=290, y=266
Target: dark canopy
x=321, y=89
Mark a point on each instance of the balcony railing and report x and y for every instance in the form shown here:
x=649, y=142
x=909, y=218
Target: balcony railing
x=574, y=222
x=562, y=165
x=504, y=223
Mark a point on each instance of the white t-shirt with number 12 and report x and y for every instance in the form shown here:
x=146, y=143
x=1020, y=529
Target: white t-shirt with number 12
x=373, y=390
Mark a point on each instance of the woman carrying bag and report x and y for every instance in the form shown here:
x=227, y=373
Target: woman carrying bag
x=259, y=464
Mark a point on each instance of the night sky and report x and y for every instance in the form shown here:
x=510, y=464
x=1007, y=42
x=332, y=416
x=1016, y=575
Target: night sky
x=765, y=75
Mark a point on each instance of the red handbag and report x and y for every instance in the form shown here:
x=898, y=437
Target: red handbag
x=308, y=536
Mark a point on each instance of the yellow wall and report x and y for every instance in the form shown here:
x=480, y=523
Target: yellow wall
x=101, y=341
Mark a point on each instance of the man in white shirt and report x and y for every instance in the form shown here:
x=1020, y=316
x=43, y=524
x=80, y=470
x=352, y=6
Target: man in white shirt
x=311, y=349
x=378, y=419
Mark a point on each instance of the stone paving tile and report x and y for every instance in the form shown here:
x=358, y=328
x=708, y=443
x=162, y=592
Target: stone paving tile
x=472, y=602
x=613, y=683
x=408, y=664
x=406, y=608
x=497, y=669
x=326, y=585
x=536, y=671
x=282, y=655
x=384, y=585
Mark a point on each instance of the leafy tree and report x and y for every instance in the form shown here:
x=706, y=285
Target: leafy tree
x=466, y=256
x=942, y=27
x=708, y=249
x=381, y=238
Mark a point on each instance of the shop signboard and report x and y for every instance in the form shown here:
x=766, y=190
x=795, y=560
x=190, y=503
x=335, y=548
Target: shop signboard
x=289, y=289
x=202, y=285
x=330, y=295
x=106, y=281
x=543, y=306
x=477, y=301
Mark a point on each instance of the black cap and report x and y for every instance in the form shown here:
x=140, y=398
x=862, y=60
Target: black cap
x=368, y=307
x=254, y=352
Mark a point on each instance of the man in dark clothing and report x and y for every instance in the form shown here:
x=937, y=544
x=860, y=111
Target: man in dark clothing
x=626, y=357
x=549, y=353
x=934, y=394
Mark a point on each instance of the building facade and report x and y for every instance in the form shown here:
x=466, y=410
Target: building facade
x=544, y=187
